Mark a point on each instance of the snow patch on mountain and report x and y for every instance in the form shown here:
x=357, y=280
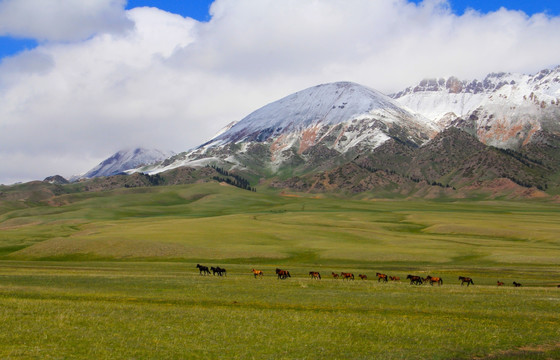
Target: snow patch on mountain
x=126, y=160
x=503, y=110
x=340, y=116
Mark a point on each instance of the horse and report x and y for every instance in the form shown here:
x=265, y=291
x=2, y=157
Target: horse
x=381, y=276
x=516, y=284
x=416, y=280
x=203, y=270
x=282, y=274
x=433, y=280
x=315, y=275
x=335, y=275
x=394, y=278
x=363, y=276
x=500, y=283
x=218, y=270
x=467, y=280
x=222, y=271
x=258, y=273
x=347, y=276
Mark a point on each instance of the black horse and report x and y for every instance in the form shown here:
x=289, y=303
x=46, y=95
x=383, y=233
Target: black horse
x=415, y=280
x=467, y=280
x=516, y=284
x=218, y=270
x=203, y=269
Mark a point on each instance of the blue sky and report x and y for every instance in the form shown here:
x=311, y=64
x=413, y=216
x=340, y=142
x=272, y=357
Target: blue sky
x=199, y=10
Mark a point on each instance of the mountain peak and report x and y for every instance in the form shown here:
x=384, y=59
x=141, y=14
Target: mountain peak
x=127, y=159
x=326, y=104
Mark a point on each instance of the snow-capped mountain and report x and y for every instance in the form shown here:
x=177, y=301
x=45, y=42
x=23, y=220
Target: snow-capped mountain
x=504, y=110
x=125, y=160
x=339, y=118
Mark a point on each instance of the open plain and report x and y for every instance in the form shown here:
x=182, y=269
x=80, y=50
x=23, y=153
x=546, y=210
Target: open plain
x=113, y=275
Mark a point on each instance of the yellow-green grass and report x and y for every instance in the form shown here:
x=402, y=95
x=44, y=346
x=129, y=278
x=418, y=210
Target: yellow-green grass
x=108, y=310
x=216, y=222
x=117, y=277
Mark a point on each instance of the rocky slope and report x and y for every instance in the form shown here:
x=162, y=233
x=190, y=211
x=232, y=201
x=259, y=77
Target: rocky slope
x=504, y=110
x=310, y=130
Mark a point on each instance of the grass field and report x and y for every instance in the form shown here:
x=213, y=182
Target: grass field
x=112, y=275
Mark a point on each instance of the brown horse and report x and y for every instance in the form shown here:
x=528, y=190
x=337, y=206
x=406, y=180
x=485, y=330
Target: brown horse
x=414, y=279
x=467, y=280
x=381, y=277
x=500, y=283
x=363, y=276
x=516, y=284
x=283, y=274
x=433, y=280
x=394, y=278
x=258, y=273
x=347, y=276
x=315, y=275
x=335, y=275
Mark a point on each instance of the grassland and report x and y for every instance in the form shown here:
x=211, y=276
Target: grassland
x=112, y=275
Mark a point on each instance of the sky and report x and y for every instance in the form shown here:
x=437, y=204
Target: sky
x=80, y=80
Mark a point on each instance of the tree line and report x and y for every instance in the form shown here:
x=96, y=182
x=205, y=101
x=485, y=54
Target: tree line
x=237, y=180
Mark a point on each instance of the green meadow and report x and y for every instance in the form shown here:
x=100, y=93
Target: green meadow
x=112, y=275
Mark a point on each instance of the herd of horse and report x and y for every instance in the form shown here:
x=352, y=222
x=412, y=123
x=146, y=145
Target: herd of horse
x=284, y=274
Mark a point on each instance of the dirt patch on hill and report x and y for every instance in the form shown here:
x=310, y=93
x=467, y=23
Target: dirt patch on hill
x=549, y=351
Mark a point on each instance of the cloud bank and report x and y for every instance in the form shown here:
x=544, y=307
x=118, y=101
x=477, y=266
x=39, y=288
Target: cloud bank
x=106, y=79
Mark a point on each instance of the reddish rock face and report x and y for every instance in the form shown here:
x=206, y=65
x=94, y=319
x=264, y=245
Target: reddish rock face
x=454, y=85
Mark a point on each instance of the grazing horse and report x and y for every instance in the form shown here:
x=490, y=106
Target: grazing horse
x=381, y=277
x=315, y=275
x=363, y=276
x=335, y=275
x=416, y=280
x=516, y=284
x=347, y=276
x=282, y=274
x=258, y=273
x=203, y=269
x=467, y=280
x=500, y=283
x=394, y=278
x=433, y=280
x=218, y=270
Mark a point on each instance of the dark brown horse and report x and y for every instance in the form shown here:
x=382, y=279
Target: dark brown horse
x=414, y=279
x=381, y=277
x=433, y=279
x=467, y=280
x=500, y=283
x=315, y=275
x=362, y=276
x=203, y=270
x=335, y=275
x=258, y=273
x=347, y=276
x=283, y=274
x=516, y=284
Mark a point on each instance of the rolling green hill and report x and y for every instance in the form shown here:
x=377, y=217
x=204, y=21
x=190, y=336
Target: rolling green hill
x=111, y=274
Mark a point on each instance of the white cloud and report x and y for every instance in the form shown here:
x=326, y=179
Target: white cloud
x=171, y=82
x=61, y=20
